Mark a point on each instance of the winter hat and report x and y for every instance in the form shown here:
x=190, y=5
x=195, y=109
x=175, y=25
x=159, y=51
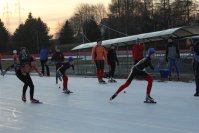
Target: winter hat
x=150, y=52
x=70, y=58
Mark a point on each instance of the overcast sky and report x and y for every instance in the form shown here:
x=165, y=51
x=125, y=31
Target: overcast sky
x=52, y=12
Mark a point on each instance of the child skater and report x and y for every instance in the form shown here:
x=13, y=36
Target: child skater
x=25, y=64
x=62, y=73
x=137, y=70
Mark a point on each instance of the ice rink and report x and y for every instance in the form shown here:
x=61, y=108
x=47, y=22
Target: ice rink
x=88, y=109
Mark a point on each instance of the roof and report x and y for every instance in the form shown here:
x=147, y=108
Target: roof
x=175, y=33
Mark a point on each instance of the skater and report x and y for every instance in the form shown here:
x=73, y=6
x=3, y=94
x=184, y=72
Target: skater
x=26, y=63
x=137, y=70
x=99, y=57
x=137, y=51
x=61, y=71
x=14, y=56
x=44, y=61
x=112, y=60
x=195, y=50
x=172, y=55
x=57, y=58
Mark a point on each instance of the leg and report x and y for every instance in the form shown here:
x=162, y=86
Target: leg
x=197, y=78
x=42, y=66
x=101, y=65
x=98, y=71
x=170, y=67
x=26, y=79
x=65, y=82
x=1, y=67
x=31, y=85
x=149, y=86
x=126, y=84
x=112, y=66
x=47, y=69
x=176, y=67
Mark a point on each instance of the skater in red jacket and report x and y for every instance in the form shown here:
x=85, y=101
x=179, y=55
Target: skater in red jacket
x=137, y=70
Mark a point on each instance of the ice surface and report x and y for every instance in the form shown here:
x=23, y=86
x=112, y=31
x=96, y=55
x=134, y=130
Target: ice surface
x=88, y=109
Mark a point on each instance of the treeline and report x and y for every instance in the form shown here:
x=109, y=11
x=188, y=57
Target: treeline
x=89, y=22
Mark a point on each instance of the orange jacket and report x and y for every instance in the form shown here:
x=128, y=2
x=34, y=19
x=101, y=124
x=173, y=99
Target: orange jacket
x=98, y=53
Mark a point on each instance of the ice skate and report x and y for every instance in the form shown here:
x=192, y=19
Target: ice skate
x=149, y=99
x=112, y=80
x=66, y=91
x=23, y=98
x=34, y=100
x=196, y=94
x=101, y=81
x=112, y=97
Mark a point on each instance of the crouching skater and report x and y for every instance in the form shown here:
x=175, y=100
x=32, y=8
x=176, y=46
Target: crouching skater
x=61, y=72
x=137, y=70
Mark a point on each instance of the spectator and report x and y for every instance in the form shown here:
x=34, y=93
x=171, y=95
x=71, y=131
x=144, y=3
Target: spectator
x=44, y=61
x=172, y=54
x=137, y=51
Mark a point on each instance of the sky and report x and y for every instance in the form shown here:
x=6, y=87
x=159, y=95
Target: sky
x=52, y=12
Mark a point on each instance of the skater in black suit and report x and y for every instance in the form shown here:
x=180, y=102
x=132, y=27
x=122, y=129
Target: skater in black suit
x=137, y=70
x=25, y=64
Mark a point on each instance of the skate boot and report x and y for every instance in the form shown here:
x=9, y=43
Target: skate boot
x=34, y=100
x=149, y=99
x=23, y=98
x=196, y=94
x=113, y=96
x=66, y=91
x=101, y=81
x=112, y=80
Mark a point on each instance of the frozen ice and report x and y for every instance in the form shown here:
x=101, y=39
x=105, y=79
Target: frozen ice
x=88, y=109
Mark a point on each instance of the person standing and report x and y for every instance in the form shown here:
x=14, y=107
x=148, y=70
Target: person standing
x=137, y=70
x=99, y=57
x=44, y=61
x=62, y=73
x=25, y=64
x=172, y=54
x=195, y=51
x=137, y=51
x=112, y=60
x=57, y=58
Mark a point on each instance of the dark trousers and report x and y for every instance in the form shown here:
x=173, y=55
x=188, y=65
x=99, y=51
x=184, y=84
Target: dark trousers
x=1, y=67
x=112, y=70
x=43, y=64
x=26, y=79
x=196, y=65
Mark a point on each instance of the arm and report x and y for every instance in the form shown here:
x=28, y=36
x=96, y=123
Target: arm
x=150, y=65
x=34, y=67
x=73, y=67
x=92, y=55
x=105, y=56
x=178, y=52
x=116, y=58
x=166, y=56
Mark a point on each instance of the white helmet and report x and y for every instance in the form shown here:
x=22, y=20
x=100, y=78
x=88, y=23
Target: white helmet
x=14, y=51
